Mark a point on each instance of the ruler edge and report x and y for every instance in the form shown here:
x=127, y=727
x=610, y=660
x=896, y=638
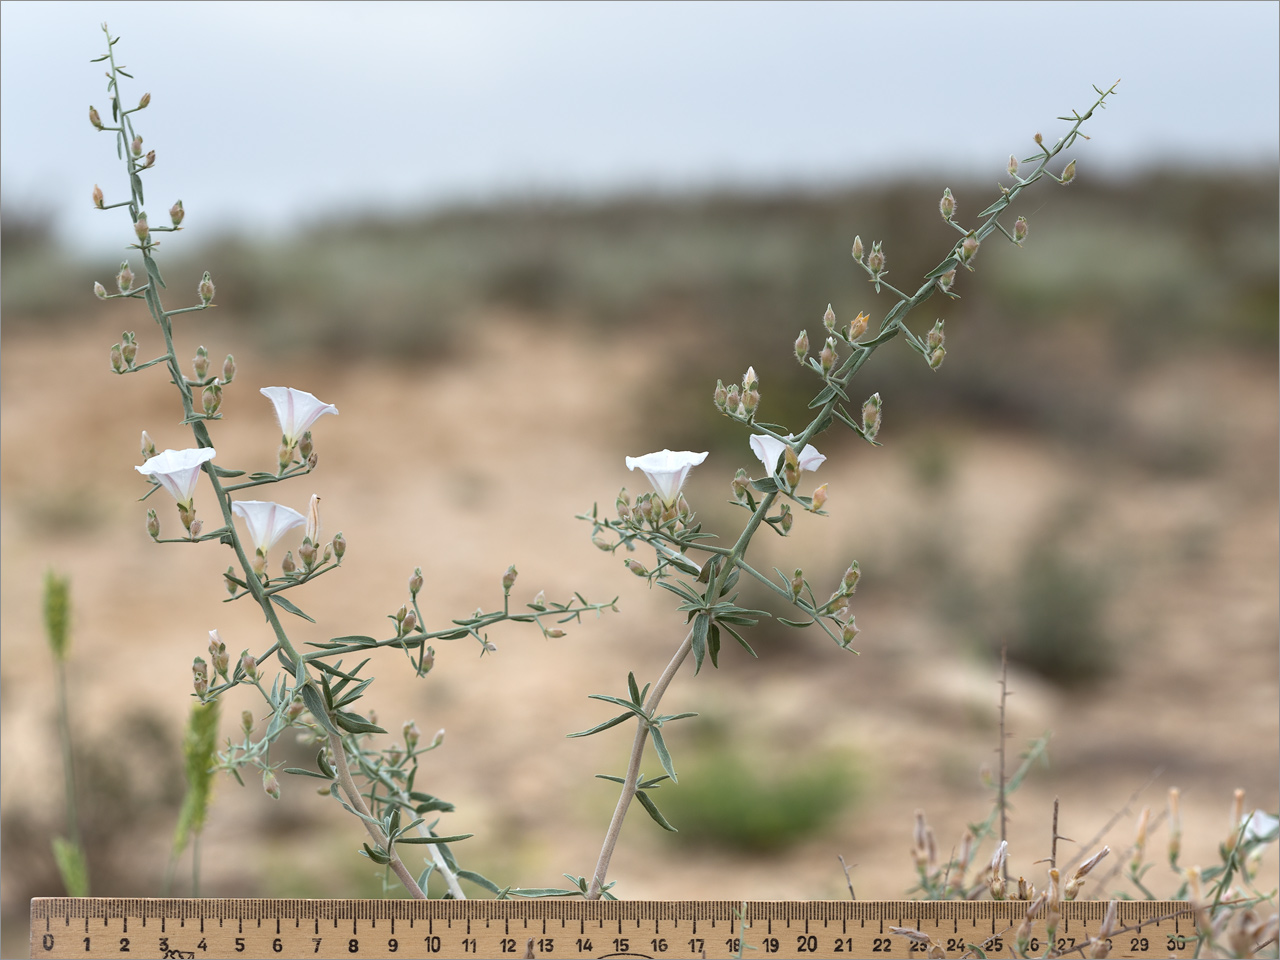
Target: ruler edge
x=182, y=908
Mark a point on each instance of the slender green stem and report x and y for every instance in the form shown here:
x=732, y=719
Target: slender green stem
x=68, y=765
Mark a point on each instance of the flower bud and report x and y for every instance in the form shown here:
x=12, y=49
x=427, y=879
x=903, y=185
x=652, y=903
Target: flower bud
x=195, y=528
x=858, y=327
x=828, y=356
x=305, y=446
x=99, y=290
x=229, y=578
x=150, y=160
x=287, y=565
x=153, y=524
x=128, y=348
x=228, y=369
x=749, y=379
x=785, y=520
x=1076, y=880
x=270, y=785
x=206, y=289
x=623, y=505
x=410, y=622
x=246, y=721
x=200, y=363
x=848, y=633
x=937, y=336
x=117, y=359
x=555, y=633
x=802, y=345
x=294, y=710
x=211, y=399
x=136, y=147
x=947, y=205
x=876, y=260
x=751, y=400
x=307, y=554
x=284, y=455
x=1013, y=165
x=849, y=582
x=720, y=396
x=1038, y=138
x=871, y=416
x=1175, y=826
x=312, y=460
x=415, y=582
x=400, y=614
x=540, y=601
x=509, y=579
x=176, y=213
x=790, y=468
x=740, y=482
x=140, y=227
x=328, y=552
x=946, y=281
x=797, y=583
x=98, y=198
x=857, y=249
x=249, y=664
x=1140, y=840
x=819, y=498
x=339, y=543
x=144, y=102
x=968, y=249
x=636, y=567
x=936, y=358
x=683, y=508
x=411, y=734
x=124, y=279
x=260, y=564
x=829, y=319
x=94, y=118
x=200, y=675
x=1020, y=229
x=1069, y=173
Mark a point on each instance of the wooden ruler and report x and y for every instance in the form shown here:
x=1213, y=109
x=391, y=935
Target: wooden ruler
x=551, y=929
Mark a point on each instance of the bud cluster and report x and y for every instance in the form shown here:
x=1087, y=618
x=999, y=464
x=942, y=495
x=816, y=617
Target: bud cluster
x=124, y=354
x=739, y=401
x=871, y=416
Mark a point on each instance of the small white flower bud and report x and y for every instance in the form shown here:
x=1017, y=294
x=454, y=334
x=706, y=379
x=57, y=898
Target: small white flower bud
x=144, y=102
x=153, y=524
x=1069, y=173
x=819, y=498
x=749, y=379
x=871, y=416
x=968, y=249
x=200, y=363
x=211, y=399
x=636, y=567
x=415, y=582
x=206, y=289
x=176, y=214
x=98, y=199
x=339, y=543
x=287, y=565
x=124, y=279
x=99, y=290
x=195, y=528
x=829, y=319
x=305, y=446
x=246, y=721
x=947, y=205
x=270, y=785
x=786, y=520
x=849, y=633
x=411, y=734
x=409, y=624
x=150, y=161
x=128, y=348
x=797, y=583
x=136, y=146
x=1020, y=229
x=720, y=396
x=94, y=118
x=828, y=356
x=877, y=262
x=249, y=664
x=117, y=359
x=740, y=482
x=857, y=249
x=802, y=345
x=228, y=369
x=200, y=676
x=140, y=227
x=1013, y=165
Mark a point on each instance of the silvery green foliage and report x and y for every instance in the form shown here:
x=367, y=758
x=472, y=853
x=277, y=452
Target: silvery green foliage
x=315, y=691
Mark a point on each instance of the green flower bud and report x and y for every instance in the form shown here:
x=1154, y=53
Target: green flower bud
x=140, y=227
x=415, y=582
x=802, y=345
x=153, y=525
x=206, y=289
x=94, y=118
x=947, y=205
x=857, y=249
x=1020, y=229
x=1069, y=173
x=509, y=579
x=339, y=544
x=176, y=213
x=270, y=785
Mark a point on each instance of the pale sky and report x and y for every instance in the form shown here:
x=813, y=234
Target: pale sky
x=269, y=115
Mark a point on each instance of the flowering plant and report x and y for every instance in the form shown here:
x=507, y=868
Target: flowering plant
x=316, y=693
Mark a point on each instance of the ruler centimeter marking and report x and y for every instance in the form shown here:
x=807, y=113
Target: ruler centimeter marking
x=578, y=929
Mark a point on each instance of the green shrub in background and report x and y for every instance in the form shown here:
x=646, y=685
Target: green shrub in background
x=742, y=803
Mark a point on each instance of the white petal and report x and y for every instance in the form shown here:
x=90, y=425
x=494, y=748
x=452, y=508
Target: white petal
x=667, y=470
x=178, y=470
x=769, y=449
x=267, y=521
x=1261, y=824
x=296, y=410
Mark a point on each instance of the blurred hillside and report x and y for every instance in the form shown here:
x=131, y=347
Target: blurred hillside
x=1133, y=271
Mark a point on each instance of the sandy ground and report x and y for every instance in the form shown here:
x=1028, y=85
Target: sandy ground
x=467, y=466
